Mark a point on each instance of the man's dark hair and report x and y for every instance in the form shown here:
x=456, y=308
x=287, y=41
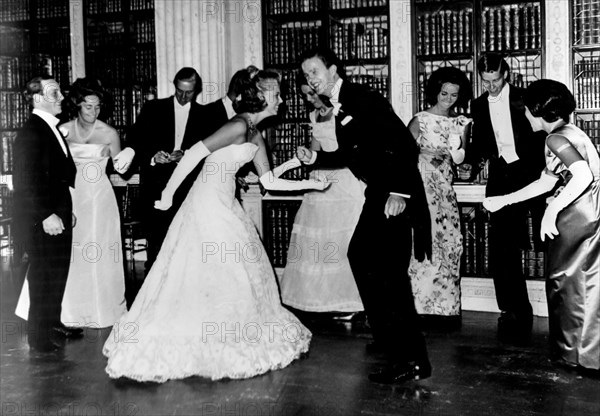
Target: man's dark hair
x=493, y=62
x=327, y=56
x=189, y=74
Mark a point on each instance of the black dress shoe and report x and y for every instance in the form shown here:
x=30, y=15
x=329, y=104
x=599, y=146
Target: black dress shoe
x=45, y=346
x=67, y=332
x=401, y=373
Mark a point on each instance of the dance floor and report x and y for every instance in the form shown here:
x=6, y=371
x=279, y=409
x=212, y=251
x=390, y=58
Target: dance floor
x=474, y=374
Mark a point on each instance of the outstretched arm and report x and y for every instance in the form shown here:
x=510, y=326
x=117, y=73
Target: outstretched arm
x=270, y=178
x=231, y=133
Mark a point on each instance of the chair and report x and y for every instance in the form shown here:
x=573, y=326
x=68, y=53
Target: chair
x=132, y=229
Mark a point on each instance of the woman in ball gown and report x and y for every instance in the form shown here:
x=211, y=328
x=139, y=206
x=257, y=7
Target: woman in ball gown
x=317, y=276
x=210, y=304
x=441, y=135
x=571, y=222
x=95, y=291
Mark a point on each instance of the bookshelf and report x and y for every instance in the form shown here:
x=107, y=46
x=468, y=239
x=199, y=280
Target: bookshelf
x=120, y=51
x=458, y=32
x=586, y=66
x=358, y=32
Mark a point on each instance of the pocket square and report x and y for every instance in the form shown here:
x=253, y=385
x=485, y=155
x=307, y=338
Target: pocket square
x=346, y=120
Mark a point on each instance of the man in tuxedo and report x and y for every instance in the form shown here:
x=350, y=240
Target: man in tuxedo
x=44, y=172
x=502, y=135
x=378, y=149
x=164, y=130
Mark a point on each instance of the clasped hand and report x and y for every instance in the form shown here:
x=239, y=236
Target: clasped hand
x=395, y=205
x=163, y=157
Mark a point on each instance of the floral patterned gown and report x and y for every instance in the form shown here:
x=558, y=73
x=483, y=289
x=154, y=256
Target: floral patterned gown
x=436, y=281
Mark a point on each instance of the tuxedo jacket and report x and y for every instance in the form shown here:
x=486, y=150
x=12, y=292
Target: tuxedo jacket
x=42, y=177
x=153, y=131
x=216, y=115
x=380, y=150
x=528, y=144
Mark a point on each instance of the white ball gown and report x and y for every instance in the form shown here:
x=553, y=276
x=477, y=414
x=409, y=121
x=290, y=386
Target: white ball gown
x=210, y=304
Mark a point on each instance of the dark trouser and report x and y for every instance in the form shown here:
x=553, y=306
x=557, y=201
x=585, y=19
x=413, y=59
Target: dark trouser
x=156, y=228
x=379, y=255
x=49, y=260
x=508, y=235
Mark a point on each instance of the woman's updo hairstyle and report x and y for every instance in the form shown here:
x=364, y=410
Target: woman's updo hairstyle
x=550, y=100
x=253, y=89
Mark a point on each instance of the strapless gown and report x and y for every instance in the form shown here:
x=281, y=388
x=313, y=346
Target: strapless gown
x=210, y=305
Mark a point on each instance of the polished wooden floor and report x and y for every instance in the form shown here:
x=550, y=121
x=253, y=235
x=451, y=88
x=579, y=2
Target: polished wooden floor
x=474, y=374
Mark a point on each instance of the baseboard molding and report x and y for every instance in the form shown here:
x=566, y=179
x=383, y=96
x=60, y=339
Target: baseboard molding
x=478, y=294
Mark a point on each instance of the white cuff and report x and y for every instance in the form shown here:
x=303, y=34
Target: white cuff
x=313, y=158
x=402, y=195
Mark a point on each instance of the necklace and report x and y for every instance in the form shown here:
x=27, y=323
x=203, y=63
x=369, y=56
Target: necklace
x=84, y=139
x=251, y=128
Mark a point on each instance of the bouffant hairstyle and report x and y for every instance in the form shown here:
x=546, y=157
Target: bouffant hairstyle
x=238, y=80
x=83, y=87
x=550, y=100
x=449, y=75
x=492, y=62
x=253, y=89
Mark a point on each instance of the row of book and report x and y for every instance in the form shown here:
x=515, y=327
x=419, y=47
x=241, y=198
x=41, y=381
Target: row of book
x=51, y=37
x=354, y=4
x=277, y=7
x=105, y=34
x=446, y=31
x=360, y=38
x=135, y=5
x=14, y=41
x=103, y=6
x=586, y=22
x=14, y=10
x=285, y=44
x=111, y=66
x=379, y=83
x=278, y=219
x=13, y=110
x=6, y=196
x=7, y=141
x=590, y=123
x=142, y=31
x=294, y=101
x=16, y=71
x=587, y=83
x=20, y=10
x=144, y=66
x=475, y=228
x=52, y=8
x=512, y=27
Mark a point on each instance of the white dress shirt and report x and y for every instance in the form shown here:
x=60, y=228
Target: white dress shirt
x=502, y=125
x=181, y=117
x=52, y=122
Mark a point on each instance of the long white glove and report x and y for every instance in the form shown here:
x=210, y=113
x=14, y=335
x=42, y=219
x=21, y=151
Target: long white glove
x=271, y=181
x=187, y=163
x=582, y=177
x=290, y=164
x=122, y=161
x=458, y=154
x=544, y=184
